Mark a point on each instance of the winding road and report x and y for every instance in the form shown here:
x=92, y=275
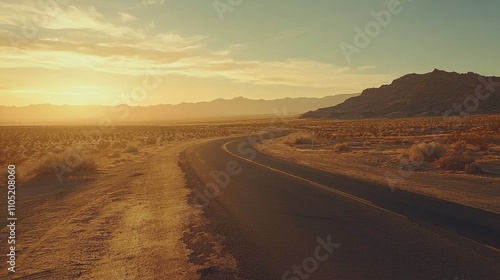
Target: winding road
x=281, y=220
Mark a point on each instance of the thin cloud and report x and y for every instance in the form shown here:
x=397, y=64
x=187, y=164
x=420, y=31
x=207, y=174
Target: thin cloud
x=126, y=17
x=152, y=2
x=301, y=73
x=84, y=38
x=295, y=32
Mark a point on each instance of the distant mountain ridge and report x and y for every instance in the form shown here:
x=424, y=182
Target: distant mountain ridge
x=431, y=94
x=219, y=108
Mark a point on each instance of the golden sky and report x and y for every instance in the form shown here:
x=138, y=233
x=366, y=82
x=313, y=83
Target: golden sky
x=169, y=51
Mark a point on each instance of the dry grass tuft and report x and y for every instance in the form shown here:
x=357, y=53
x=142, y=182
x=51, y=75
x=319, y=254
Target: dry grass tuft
x=303, y=141
x=426, y=152
x=116, y=153
x=473, y=168
x=455, y=161
x=459, y=158
x=132, y=147
x=151, y=140
x=341, y=147
x=64, y=162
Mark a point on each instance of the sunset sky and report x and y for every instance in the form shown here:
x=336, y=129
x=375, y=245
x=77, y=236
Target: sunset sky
x=172, y=51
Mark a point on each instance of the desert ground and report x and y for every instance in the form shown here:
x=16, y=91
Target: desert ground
x=455, y=161
x=96, y=203
x=90, y=200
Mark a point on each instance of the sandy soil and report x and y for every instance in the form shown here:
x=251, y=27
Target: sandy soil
x=130, y=220
x=480, y=191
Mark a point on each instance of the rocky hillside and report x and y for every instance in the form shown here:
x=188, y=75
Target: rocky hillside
x=430, y=94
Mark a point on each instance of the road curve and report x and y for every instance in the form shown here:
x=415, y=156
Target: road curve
x=286, y=221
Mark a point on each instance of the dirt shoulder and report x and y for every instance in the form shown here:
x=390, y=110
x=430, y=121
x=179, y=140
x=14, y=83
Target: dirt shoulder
x=125, y=221
x=478, y=191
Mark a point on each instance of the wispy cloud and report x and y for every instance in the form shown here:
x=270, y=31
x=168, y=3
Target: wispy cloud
x=15, y=14
x=234, y=48
x=291, y=33
x=126, y=17
x=304, y=73
x=86, y=38
x=153, y=2
x=138, y=59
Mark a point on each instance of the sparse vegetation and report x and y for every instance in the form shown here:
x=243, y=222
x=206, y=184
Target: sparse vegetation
x=36, y=150
x=151, y=140
x=458, y=158
x=52, y=163
x=132, y=147
x=424, y=143
x=473, y=168
x=116, y=153
x=303, y=141
x=455, y=161
x=341, y=147
x=444, y=145
x=426, y=152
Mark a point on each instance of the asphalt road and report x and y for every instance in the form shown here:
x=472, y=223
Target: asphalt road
x=285, y=221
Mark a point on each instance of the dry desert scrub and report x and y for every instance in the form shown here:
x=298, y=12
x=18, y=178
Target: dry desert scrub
x=426, y=152
x=435, y=142
x=52, y=163
x=132, y=147
x=116, y=153
x=303, y=141
x=27, y=143
x=341, y=147
x=459, y=158
x=39, y=150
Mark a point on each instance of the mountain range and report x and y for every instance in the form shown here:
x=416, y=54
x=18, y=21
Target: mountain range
x=432, y=94
x=219, y=108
